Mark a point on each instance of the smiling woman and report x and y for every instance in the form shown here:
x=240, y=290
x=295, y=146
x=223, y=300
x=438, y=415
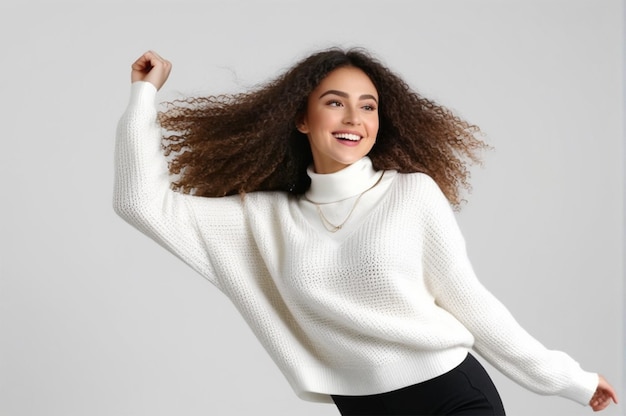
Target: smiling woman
x=344, y=257
x=254, y=141
x=341, y=119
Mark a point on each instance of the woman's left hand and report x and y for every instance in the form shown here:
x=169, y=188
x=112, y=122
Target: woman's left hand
x=603, y=396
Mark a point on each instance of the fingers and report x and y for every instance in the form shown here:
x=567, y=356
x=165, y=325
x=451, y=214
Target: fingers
x=603, y=396
x=151, y=67
x=599, y=403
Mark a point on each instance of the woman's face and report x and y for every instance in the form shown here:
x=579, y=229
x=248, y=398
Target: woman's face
x=341, y=121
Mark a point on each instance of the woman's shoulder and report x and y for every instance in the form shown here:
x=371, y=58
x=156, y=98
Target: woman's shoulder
x=266, y=199
x=421, y=189
x=417, y=181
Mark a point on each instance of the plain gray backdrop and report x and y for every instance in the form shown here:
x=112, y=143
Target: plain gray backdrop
x=96, y=319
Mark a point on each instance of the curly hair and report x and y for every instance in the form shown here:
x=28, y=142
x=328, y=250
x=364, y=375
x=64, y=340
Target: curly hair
x=238, y=143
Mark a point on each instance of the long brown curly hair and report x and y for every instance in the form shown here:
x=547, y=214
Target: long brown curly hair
x=246, y=142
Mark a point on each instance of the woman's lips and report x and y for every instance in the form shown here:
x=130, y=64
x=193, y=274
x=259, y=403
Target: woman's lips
x=348, y=136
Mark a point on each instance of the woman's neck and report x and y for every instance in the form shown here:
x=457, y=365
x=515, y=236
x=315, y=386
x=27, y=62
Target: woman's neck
x=343, y=184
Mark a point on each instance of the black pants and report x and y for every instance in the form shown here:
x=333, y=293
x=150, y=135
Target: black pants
x=465, y=390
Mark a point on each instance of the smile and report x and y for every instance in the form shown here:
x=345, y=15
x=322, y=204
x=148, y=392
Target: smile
x=348, y=136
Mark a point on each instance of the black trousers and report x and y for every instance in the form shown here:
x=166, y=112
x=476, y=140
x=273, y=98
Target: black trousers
x=465, y=390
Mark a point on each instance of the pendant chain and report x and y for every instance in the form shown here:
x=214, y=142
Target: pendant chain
x=329, y=225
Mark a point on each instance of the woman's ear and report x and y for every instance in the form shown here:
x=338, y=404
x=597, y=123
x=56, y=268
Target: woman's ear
x=302, y=125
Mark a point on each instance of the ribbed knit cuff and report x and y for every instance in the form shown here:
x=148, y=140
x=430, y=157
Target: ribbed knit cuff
x=583, y=392
x=142, y=92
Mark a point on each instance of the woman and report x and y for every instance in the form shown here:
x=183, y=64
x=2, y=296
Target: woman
x=320, y=205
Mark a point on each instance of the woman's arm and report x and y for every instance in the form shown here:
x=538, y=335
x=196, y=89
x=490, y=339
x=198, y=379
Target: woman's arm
x=498, y=336
x=193, y=228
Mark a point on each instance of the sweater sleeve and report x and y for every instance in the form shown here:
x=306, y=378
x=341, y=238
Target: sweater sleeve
x=143, y=196
x=498, y=337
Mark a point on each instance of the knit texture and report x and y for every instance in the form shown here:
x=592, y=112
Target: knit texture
x=389, y=301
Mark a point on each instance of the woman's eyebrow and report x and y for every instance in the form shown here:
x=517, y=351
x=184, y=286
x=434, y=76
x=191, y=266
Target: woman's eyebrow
x=346, y=95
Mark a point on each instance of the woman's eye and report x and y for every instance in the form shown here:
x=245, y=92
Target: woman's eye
x=334, y=103
x=369, y=107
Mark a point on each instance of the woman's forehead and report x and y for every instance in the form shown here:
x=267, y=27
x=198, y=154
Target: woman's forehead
x=348, y=80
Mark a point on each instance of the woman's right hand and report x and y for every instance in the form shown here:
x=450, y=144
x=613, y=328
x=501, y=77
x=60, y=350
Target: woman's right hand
x=150, y=67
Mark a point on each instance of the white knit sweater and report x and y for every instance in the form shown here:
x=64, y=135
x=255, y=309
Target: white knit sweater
x=388, y=301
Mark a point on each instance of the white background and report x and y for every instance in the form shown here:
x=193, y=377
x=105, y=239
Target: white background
x=96, y=319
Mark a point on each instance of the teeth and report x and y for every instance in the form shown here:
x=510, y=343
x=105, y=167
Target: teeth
x=347, y=136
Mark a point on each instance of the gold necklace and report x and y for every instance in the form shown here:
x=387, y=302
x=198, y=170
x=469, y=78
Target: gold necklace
x=329, y=225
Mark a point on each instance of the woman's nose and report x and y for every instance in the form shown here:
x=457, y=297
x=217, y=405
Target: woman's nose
x=352, y=117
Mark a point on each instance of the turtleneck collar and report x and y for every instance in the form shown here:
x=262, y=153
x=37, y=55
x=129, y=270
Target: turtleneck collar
x=348, y=182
